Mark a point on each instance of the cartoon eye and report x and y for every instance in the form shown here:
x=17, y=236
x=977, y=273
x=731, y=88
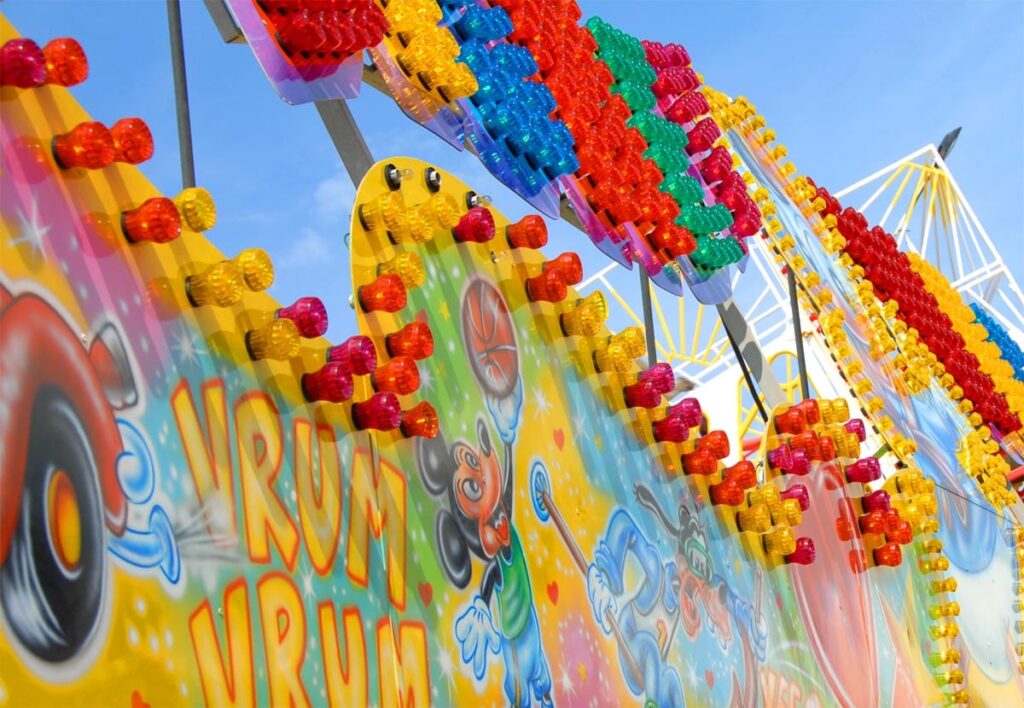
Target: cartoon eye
x=471, y=489
x=472, y=460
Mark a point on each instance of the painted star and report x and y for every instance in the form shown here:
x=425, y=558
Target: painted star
x=443, y=310
x=599, y=443
x=541, y=405
x=32, y=230
x=580, y=429
x=187, y=347
x=565, y=682
x=307, y=584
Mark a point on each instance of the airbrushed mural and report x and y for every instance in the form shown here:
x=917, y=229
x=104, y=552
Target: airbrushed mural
x=196, y=512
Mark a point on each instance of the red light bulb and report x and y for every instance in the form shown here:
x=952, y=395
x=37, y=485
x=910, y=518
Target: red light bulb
x=865, y=470
x=810, y=410
x=804, y=553
x=400, y=375
x=549, y=286
x=87, y=145
x=476, y=225
x=379, y=412
x=781, y=458
x=798, y=492
x=700, y=462
x=670, y=429
x=901, y=533
x=800, y=463
x=22, y=64
x=415, y=340
x=743, y=473
x=661, y=377
x=690, y=411
x=889, y=555
x=132, y=140
x=385, y=294
x=727, y=493
x=792, y=422
x=156, y=220
x=331, y=383
x=876, y=501
x=357, y=354
x=420, y=421
x=308, y=314
x=529, y=232
x=806, y=441
x=856, y=426
x=716, y=443
x=873, y=522
x=642, y=394
x=570, y=265
x=66, y=63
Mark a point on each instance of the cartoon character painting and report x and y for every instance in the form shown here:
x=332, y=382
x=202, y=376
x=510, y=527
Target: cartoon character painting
x=71, y=473
x=476, y=478
x=665, y=597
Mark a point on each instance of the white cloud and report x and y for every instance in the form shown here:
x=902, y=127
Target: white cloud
x=309, y=249
x=332, y=200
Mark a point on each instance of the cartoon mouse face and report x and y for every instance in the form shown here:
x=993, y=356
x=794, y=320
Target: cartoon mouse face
x=477, y=488
x=477, y=519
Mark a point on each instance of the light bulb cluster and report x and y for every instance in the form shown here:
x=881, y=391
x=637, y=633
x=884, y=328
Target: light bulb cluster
x=91, y=145
x=874, y=257
x=322, y=32
x=906, y=493
x=62, y=62
x=426, y=51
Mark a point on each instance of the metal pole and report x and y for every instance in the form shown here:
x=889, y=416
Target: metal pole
x=645, y=292
x=805, y=389
x=347, y=139
x=188, y=167
x=746, y=375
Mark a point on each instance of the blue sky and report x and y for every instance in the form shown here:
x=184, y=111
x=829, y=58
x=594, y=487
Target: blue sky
x=848, y=86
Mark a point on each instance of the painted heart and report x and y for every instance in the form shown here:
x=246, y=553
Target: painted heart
x=137, y=701
x=709, y=677
x=426, y=593
x=559, y=438
x=553, y=592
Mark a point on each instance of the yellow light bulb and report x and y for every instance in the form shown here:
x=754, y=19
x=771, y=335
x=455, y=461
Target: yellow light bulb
x=198, y=212
x=780, y=541
x=257, y=268
x=956, y=676
x=408, y=267
x=442, y=210
x=937, y=587
x=278, y=339
x=588, y=316
x=932, y=545
x=768, y=495
x=936, y=565
x=386, y=212
x=938, y=658
x=950, y=630
x=949, y=609
x=221, y=285
x=757, y=519
x=787, y=513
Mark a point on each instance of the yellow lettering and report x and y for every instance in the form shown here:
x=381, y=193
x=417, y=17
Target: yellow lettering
x=319, y=513
x=207, y=451
x=284, y=639
x=403, y=672
x=378, y=502
x=221, y=688
x=259, y=461
x=346, y=684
